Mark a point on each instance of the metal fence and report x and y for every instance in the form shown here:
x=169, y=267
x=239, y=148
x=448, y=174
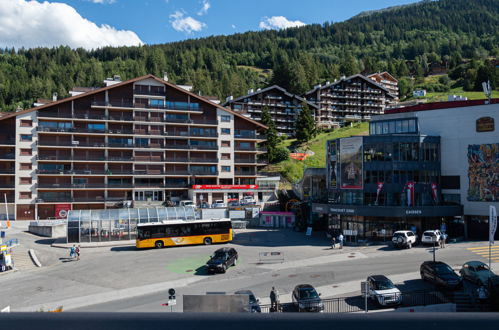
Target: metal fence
x=357, y=303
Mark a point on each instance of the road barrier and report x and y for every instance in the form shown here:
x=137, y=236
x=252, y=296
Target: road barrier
x=270, y=257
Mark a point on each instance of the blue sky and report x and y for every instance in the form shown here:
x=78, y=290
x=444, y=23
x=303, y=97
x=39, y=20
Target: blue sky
x=94, y=23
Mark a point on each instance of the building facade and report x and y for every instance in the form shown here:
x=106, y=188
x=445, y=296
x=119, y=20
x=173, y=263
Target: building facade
x=283, y=107
x=350, y=99
x=388, y=181
x=143, y=140
x=388, y=81
x=469, y=153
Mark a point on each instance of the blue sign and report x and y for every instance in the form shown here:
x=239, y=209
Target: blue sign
x=443, y=227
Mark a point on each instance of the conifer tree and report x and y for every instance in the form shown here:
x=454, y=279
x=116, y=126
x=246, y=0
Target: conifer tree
x=305, y=125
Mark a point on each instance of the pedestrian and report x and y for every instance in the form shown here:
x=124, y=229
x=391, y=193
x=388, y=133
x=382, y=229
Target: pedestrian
x=72, y=251
x=333, y=242
x=273, y=299
x=443, y=239
x=77, y=251
x=340, y=239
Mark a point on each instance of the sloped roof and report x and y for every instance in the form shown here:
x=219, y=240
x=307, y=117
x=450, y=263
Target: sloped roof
x=266, y=89
x=124, y=83
x=358, y=75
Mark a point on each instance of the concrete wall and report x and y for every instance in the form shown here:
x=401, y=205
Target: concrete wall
x=213, y=213
x=440, y=308
x=216, y=303
x=52, y=231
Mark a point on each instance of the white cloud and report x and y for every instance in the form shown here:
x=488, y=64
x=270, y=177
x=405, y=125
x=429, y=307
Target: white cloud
x=204, y=9
x=233, y=26
x=278, y=23
x=34, y=24
x=185, y=24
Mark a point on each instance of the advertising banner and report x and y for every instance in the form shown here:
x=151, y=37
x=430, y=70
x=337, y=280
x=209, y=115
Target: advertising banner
x=211, y=186
x=332, y=163
x=61, y=211
x=492, y=223
x=483, y=162
x=351, y=163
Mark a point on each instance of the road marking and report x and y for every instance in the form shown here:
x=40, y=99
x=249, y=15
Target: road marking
x=316, y=261
x=483, y=247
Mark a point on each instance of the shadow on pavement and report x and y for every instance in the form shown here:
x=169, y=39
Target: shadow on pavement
x=202, y=271
x=280, y=238
x=47, y=241
x=68, y=259
x=123, y=248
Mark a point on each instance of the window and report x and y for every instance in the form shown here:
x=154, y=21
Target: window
x=26, y=137
x=225, y=130
x=26, y=123
x=225, y=118
x=25, y=180
x=25, y=195
x=26, y=152
x=225, y=168
x=225, y=156
x=226, y=144
x=451, y=182
x=25, y=166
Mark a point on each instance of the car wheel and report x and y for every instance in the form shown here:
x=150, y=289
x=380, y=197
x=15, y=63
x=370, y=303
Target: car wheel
x=235, y=262
x=224, y=269
x=159, y=244
x=207, y=241
x=409, y=245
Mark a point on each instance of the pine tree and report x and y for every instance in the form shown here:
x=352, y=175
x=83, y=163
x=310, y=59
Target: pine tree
x=305, y=125
x=272, y=137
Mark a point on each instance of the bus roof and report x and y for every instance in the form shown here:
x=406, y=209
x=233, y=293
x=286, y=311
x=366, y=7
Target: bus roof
x=181, y=222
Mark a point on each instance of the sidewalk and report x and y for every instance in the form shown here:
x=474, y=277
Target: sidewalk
x=61, y=243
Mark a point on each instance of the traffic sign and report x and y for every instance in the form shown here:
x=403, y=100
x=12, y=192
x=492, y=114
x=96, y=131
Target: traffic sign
x=172, y=302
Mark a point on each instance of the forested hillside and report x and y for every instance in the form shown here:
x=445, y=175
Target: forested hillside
x=460, y=35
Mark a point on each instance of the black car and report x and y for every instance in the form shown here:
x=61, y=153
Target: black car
x=440, y=274
x=306, y=299
x=221, y=260
x=254, y=303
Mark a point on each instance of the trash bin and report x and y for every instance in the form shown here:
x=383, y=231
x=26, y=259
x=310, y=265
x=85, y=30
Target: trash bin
x=2, y=234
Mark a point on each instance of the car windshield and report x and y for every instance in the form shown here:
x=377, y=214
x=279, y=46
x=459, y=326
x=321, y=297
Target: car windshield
x=383, y=285
x=443, y=269
x=308, y=293
x=252, y=299
x=398, y=235
x=481, y=268
x=220, y=255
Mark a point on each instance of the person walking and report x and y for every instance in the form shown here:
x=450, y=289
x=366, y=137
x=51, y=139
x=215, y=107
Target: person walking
x=274, y=297
x=72, y=251
x=340, y=239
x=77, y=251
x=333, y=242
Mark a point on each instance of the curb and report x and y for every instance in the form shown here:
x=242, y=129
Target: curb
x=32, y=254
x=65, y=245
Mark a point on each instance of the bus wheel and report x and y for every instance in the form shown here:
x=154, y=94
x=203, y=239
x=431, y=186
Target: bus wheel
x=159, y=244
x=207, y=241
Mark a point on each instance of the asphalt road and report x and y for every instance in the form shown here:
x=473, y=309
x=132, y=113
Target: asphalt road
x=126, y=279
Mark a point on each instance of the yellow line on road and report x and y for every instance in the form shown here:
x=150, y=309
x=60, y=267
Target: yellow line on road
x=484, y=248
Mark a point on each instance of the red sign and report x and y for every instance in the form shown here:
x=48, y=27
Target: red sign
x=225, y=186
x=61, y=211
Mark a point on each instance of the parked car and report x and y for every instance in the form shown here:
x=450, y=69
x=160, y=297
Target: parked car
x=248, y=200
x=218, y=203
x=404, y=239
x=440, y=274
x=221, y=260
x=431, y=237
x=382, y=290
x=186, y=203
x=479, y=273
x=234, y=203
x=254, y=303
x=306, y=299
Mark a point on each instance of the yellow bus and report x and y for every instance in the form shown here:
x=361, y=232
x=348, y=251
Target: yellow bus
x=180, y=232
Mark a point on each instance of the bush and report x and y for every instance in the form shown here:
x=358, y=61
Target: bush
x=280, y=154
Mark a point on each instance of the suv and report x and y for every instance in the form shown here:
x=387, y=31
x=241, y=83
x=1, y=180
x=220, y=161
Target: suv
x=248, y=200
x=404, y=238
x=306, y=299
x=221, y=260
x=431, y=237
x=218, y=203
x=382, y=290
x=440, y=274
x=254, y=303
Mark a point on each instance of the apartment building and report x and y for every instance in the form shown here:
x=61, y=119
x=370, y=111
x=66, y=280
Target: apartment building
x=144, y=140
x=349, y=99
x=388, y=81
x=283, y=106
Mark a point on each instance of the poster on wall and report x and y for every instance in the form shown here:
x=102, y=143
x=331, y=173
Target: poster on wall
x=351, y=163
x=332, y=169
x=62, y=210
x=483, y=172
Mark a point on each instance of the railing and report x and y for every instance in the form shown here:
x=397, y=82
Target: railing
x=243, y=173
x=203, y=172
x=203, y=160
x=148, y=92
x=245, y=161
x=204, y=147
x=7, y=185
x=7, y=171
x=176, y=184
x=84, y=130
x=83, y=185
x=10, y=156
x=8, y=142
x=182, y=106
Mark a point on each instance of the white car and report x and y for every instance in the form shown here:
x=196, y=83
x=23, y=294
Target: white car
x=218, y=203
x=186, y=203
x=404, y=238
x=431, y=237
x=382, y=290
x=248, y=200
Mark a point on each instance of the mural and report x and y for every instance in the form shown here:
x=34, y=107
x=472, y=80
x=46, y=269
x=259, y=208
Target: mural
x=483, y=172
x=351, y=163
x=332, y=171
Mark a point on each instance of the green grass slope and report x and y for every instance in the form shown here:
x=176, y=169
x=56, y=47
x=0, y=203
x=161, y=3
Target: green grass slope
x=293, y=170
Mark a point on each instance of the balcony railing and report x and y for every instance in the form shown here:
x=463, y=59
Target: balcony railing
x=203, y=172
x=7, y=185
x=83, y=185
x=203, y=160
x=84, y=130
x=148, y=92
x=182, y=106
x=7, y=171
x=244, y=173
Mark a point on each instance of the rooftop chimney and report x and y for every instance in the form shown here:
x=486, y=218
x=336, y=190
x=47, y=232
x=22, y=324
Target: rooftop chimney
x=165, y=76
x=54, y=97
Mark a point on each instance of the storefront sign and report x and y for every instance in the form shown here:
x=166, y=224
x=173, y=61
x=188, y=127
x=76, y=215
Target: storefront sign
x=351, y=163
x=214, y=187
x=342, y=211
x=413, y=212
x=485, y=124
x=61, y=211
